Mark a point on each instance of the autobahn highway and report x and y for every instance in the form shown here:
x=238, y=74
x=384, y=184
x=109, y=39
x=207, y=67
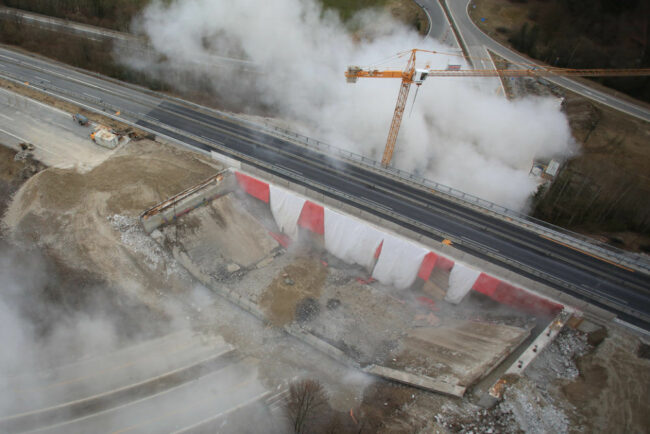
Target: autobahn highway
x=618, y=289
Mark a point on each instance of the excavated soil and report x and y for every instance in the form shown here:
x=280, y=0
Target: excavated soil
x=80, y=217
x=611, y=392
x=303, y=278
x=13, y=174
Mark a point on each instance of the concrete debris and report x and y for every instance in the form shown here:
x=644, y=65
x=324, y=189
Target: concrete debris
x=307, y=309
x=23, y=155
x=333, y=303
x=534, y=411
x=264, y=262
x=558, y=359
x=138, y=241
x=232, y=268
x=419, y=381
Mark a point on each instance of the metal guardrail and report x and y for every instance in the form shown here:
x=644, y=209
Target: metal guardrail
x=617, y=256
x=364, y=203
x=554, y=232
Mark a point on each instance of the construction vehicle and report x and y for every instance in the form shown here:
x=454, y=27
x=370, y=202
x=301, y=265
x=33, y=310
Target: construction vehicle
x=105, y=137
x=412, y=75
x=80, y=119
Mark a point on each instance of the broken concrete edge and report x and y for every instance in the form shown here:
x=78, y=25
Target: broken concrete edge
x=233, y=297
x=506, y=354
x=319, y=344
x=187, y=200
x=225, y=160
x=542, y=341
x=495, y=393
x=419, y=381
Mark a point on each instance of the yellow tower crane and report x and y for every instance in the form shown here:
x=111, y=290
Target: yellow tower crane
x=412, y=75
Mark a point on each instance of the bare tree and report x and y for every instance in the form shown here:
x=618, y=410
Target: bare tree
x=307, y=399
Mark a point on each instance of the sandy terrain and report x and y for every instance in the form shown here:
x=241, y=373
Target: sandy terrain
x=77, y=215
x=301, y=279
x=13, y=173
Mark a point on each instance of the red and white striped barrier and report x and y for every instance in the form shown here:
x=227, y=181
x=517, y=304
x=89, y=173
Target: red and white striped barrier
x=391, y=260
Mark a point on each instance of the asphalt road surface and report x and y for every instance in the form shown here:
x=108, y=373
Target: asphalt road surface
x=58, y=141
x=179, y=382
x=617, y=289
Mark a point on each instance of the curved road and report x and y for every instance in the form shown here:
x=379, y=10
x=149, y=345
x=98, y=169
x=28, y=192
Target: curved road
x=477, y=41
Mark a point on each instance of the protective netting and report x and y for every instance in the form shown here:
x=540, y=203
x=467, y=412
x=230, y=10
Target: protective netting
x=286, y=208
x=461, y=280
x=399, y=262
x=350, y=239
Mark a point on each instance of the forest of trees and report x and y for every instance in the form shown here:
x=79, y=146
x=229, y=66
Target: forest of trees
x=113, y=14
x=590, y=34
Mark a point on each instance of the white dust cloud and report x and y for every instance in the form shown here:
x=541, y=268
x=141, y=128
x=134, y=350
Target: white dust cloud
x=456, y=135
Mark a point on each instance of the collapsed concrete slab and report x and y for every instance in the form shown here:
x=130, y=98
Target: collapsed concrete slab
x=323, y=292
x=419, y=381
x=463, y=351
x=219, y=234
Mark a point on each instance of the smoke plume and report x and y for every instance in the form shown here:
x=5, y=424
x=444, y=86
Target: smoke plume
x=455, y=134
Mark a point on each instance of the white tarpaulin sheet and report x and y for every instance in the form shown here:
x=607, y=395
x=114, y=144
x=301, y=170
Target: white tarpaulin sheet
x=399, y=262
x=461, y=280
x=350, y=239
x=286, y=208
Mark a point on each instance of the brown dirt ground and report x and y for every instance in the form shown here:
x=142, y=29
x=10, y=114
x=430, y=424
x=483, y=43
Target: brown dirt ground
x=13, y=174
x=280, y=299
x=68, y=213
x=384, y=409
x=611, y=393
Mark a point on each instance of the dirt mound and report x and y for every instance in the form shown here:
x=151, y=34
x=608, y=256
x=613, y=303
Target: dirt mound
x=612, y=389
x=13, y=173
x=304, y=278
x=72, y=214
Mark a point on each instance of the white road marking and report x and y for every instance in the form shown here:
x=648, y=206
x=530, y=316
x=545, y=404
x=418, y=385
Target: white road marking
x=13, y=135
x=42, y=79
x=33, y=101
x=6, y=117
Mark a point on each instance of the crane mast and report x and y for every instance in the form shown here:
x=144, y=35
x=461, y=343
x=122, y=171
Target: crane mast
x=411, y=75
x=407, y=79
